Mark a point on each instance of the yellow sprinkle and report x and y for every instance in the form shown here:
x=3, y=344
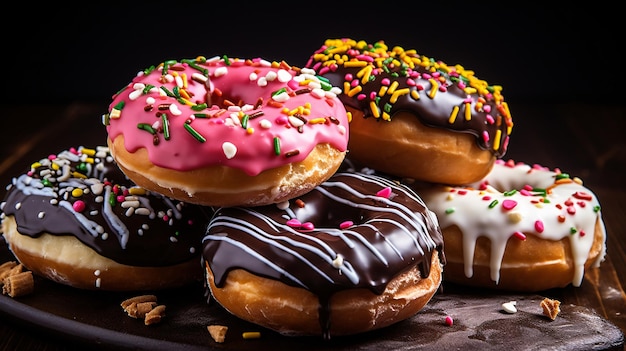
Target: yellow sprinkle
x=392, y=87
x=250, y=130
x=137, y=191
x=382, y=91
x=251, y=335
x=349, y=116
x=334, y=50
x=578, y=181
x=78, y=175
x=450, y=197
x=364, y=74
x=514, y=217
x=397, y=94
x=357, y=89
x=184, y=94
x=496, y=140
x=355, y=64
x=90, y=160
x=77, y=192
x=293, y=112
x=184, y=76
x=35, y=165
x=563, y=181
x=285, y=111
x=187, y=102
x=374, y=109
x=305, y=82
x=434, y=88
x=468, y=111
x=453, y=114
x=319, y=120
x=386, y=116
x=415, y=95
x=115, y=113
x=346, y=87
x=55, y=166
x=89, y=152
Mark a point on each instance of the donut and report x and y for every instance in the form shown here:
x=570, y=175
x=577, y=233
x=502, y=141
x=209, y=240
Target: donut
x=521, y=228
x=227, y=131
x=357, y=253
x=414, y=116
x=75, y=218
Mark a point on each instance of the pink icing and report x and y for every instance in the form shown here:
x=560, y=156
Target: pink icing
x=256, y=134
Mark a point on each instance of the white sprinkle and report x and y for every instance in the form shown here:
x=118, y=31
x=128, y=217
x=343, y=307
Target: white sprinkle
x=199, y=77
x=18, y=205
x=104, y=236
x=282, y=97
x=41, y=214
x=283, y=205
x=253, y=76
x=142, y=211
x=173, y=239
x=128, y=204
x=509, y=307
x=135, y=94
x=230, y=150
x=318, y=93
x=342, y=130
x=98, y=282
x=97, y=273
x=179, y=81
x=284, y=76
x=271, y=76
x=220, y=71
x=338, y=261
x=261, y=82
x=174, y=110
x=295, y=121
x=192, y=250
x=150, y=100
x=266, y=124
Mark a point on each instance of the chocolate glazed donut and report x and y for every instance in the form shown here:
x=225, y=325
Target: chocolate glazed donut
x=354, y=232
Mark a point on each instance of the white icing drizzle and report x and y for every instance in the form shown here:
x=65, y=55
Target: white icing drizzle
x=568, y=210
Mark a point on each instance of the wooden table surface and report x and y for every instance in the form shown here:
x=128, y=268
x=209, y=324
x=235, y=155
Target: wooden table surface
x=583, y=140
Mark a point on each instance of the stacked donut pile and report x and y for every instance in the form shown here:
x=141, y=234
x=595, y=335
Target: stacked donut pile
x=293, y=192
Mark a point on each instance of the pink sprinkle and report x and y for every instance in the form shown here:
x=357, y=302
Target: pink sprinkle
x=348, y=77
x=449, y=321
x=385, y=81
x=120, y=198
x=420, y=87
x=443, y=88
x=361, y=97
x=490, y=119
x=528, y=187
x=355, y=83
x=426, y=76
x=485, y=136
x=365, y=58
x=79, y=206
x=509, y=204
x=166, y=218
x=386, y=192
x=462, y=192
x=293, y=85
x=281, y=120
x=539, y=226
x=346, y=224
x=487, y=108
x=525, y=192
x=410, y=82
x=519, y=235
x=373, y=95
x=307, y=226
x=462, y=85
x=294, y=223
x=324, y=70
x=52, y=157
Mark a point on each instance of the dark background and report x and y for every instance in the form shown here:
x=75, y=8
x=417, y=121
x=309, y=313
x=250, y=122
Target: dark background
x=561, y=53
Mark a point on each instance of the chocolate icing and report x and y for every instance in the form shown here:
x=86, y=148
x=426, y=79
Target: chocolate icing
x=121, y=221
x=300, y=244
x=399, y=70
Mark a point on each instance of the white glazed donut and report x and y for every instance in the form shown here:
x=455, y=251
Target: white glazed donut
x=522, y=227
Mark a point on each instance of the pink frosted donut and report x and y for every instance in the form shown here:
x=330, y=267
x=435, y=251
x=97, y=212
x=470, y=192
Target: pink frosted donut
x=523, y=227
x=227, y=131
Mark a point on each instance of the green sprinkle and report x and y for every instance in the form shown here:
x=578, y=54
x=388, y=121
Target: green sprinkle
x=199, y=107
x=562, y=176
x=244, y=121
x=449, y=210
x=167, y=92
x=166, y=126
x=147, y=88
x=596, y=208
x=112, y=201
x=194, y=133
x=510, y=192
x=147, y=127
x=493, y=203
x=46, y=182
x=279, y=91
x=176, y=91
x=201, y=115
x=387, y=107
x=226, y=60
x=119, y=105
x=573, y=230
x=276, y=146
x=149, y=70
x=82, y=168
x=192, y=64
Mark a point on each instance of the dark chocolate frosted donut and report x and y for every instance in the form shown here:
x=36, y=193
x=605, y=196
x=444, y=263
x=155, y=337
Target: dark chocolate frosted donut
x=414, y=116
x=127, y=237
x=354, y=234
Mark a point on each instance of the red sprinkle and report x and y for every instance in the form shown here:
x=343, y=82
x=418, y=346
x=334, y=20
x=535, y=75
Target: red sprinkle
x=519, y=235
x=539, y=226
x=79, y=206
x=386, y=192
x=449, y=321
